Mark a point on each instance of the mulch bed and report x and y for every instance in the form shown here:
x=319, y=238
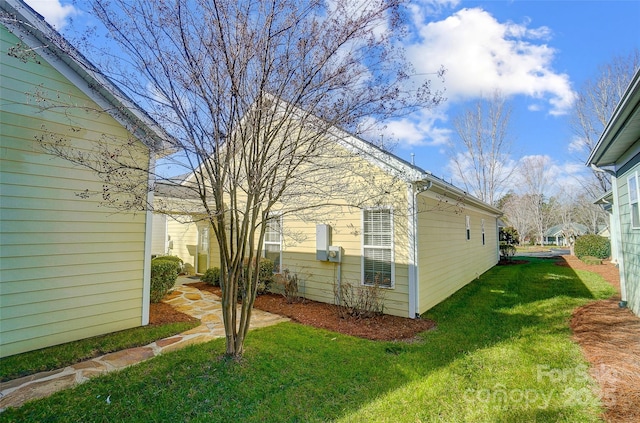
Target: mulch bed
x=321, y=315
x=610, y=340
x=163, y=313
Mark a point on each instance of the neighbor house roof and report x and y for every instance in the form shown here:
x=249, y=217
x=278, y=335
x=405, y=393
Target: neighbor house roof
x=622, y=130
x=36, y=33
x=558, y=230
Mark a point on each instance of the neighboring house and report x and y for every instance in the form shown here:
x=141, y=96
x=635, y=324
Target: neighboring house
x=69, y=268
x=618, y=153
x=421, y=245
x=561, y=234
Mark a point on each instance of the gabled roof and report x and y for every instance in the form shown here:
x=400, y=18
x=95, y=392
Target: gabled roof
x=394, y=166
x=622, y=130
x=404, y=170
x=557, y=230
x=36, y=33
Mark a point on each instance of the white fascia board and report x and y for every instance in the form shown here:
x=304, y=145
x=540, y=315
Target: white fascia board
x=465, y=197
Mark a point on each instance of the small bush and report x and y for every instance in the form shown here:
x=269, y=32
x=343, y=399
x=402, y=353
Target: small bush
x=175, y=259
x=592, y=245
x=507, y=251
x=359, y=301
x=163, y=276
x=290, y=282
x=211, y=276
x=265, y=277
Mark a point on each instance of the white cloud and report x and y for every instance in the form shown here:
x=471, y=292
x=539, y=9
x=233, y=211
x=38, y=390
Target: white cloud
x=578, y=145
x=419, y=130
x=53, y=11
x=555, y=177
x=482, y=55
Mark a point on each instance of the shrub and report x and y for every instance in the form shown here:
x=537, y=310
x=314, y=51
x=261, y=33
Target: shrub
x=163, y=276
x=359, y=301
x=507, y=250
x=509, y=235
x=211, y=276
x=290, y=281
x=265, y=277
x=592, y=245
x=175, y=259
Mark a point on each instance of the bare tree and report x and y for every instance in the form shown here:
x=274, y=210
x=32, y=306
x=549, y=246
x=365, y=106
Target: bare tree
x=595, y=104
x=516, y=212
x=481, y=159
x=253, y=93
x=536, y=181
x=589, y=214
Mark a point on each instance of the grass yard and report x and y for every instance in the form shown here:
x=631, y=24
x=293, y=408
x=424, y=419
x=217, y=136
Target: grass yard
x=502, y=352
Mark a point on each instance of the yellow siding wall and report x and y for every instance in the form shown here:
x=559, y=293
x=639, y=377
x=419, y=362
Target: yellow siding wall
x=159, y=235
x=69, y=268
x=185, y=239
x=318, y=278
x=446, y=259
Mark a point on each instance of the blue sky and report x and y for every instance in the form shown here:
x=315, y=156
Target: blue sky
x=538, y=53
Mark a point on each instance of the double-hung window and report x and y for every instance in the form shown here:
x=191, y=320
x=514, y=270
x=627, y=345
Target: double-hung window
x=272, y=248
x=482, y=225
x=377, y=251
x=634, y=194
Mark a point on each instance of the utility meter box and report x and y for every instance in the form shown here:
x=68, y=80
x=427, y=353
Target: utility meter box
x=323, y=241
x=335, y=254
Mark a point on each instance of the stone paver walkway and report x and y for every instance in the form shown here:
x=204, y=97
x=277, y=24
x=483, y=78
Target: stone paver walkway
x=200, y=304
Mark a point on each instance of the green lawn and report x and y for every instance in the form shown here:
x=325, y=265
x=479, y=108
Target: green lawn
x=501, y=353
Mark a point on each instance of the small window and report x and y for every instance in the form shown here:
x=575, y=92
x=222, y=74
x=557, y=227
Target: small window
x=482, y=225
x=634, y=194
x=272, y=248
x=204, y=239
x=468, y=221
x=377, y=251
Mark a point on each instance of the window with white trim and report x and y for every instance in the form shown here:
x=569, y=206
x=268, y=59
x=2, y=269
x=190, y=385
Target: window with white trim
x=634, y=194
x=482, y=226
x=468, y=224
x=272, y=246
x=377, y=247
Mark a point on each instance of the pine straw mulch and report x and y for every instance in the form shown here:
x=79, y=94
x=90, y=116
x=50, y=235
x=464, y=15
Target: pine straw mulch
x=163, y=313
x=610, y=340
x=321, y=315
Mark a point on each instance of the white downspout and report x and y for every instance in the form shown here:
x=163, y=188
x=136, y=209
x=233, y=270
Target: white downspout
x=414, y=285
x=412, y=192
x=618, y=228
x=146, y=274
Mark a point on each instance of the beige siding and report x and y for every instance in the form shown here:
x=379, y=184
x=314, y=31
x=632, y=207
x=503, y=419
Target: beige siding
x=318, y=278
x=185, y=239
x=159, y=235
x=446, y=259
x=630, y=238
x=70, y=268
